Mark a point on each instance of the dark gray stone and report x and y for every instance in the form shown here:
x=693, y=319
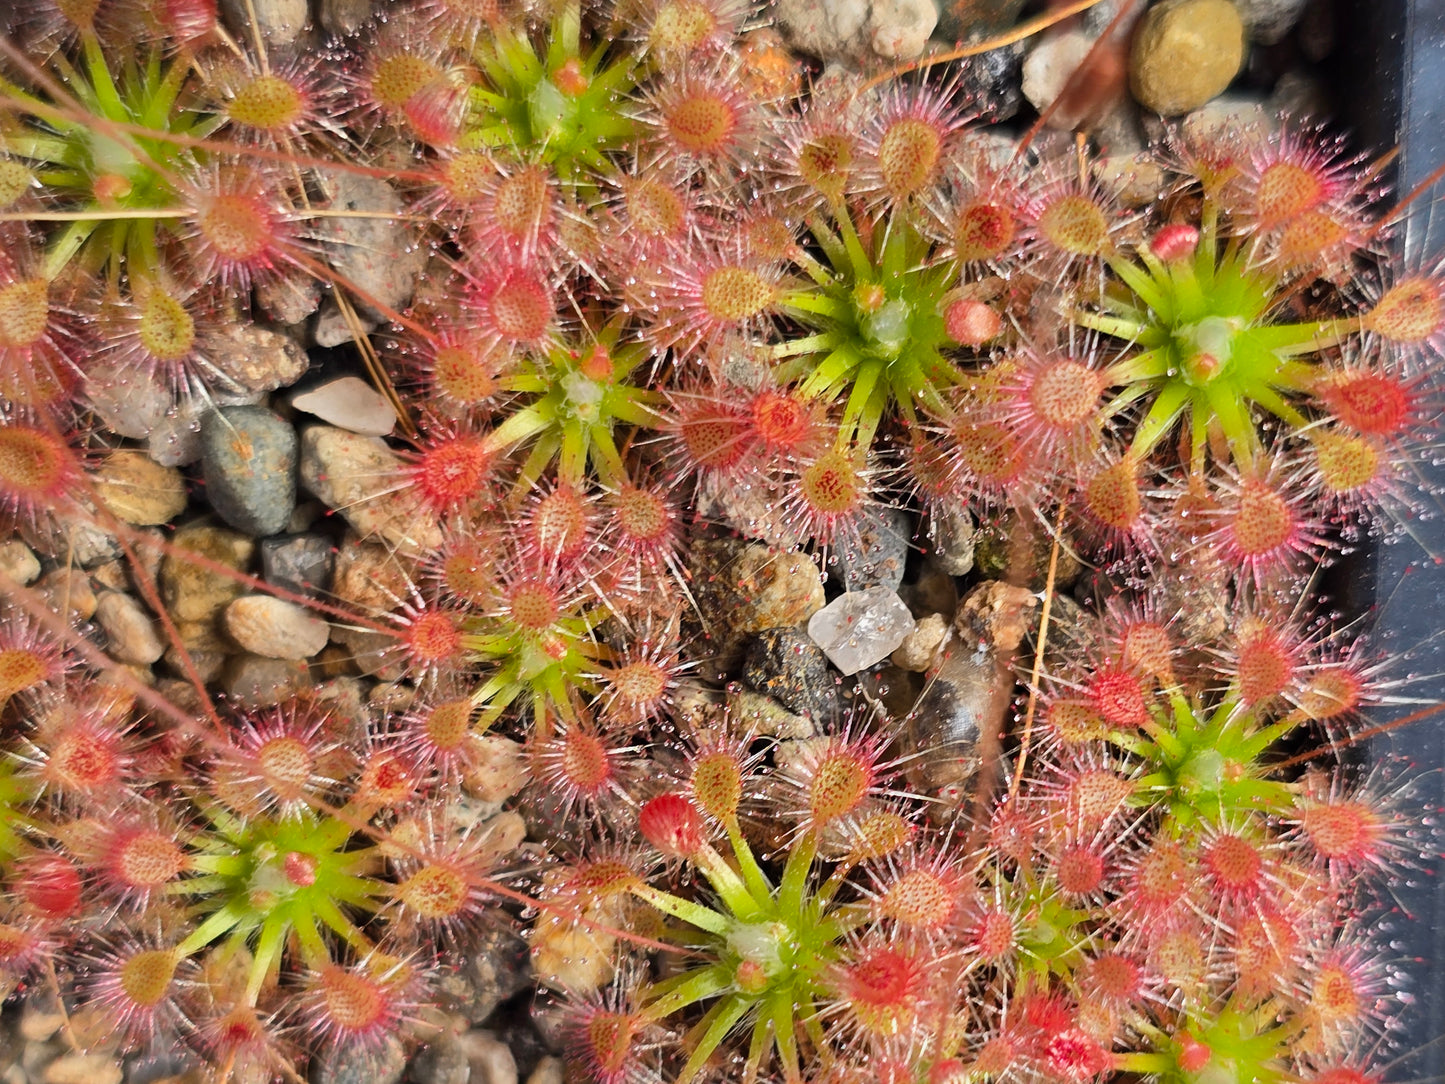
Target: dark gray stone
x=992, y=82
x=786, y=665
x=299, y=562
x=248, y=461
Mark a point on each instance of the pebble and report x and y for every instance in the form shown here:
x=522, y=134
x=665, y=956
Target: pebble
x=881, y=553
x=779, y=589
x=41, y=1016
x=964, y=20
x=787, y=666
x=753, y=712
x=368, y=576
x=130, y=632
x=382, y=1062
x=129, y=402
x=861, y=628
x=299, y=563
x=498, y=768
x=275, y=628
x=1051, y=63
x=490, y=1059
x=18, y=562
x=281, y=22
x=377, y=255
x=1268, y=21
x=497, y=969
x=1184, y=53
x=256, y=359
x=333, y=328
x=750, y=509
x=352, y=404
x=288, y=299
x=855, y=31
x=548, y=1071
x=248, y=460
x=252, y=681
x=68, y=591
x=83, y=1069
x=357, y=476
x=344, y=16
x=951, y=530
x=918, y=648
x=175, y=441
x=441, y=1061
x=962, y=697
x=196, y=592
x=73, y=540
x=138, y=490
x=990, y=82
x=372, y=653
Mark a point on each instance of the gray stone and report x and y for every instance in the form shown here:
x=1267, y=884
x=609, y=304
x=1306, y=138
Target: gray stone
x=990, y=82
x=255, y=359
x=861, y=628
x=130, y=633
x=175, y=441
x=129, y=402
x=965, y=694
x=1268, y=21
x=786, y=665
x=498, y=968
x=251, y=681
x=378, y=256
x=248, y=460
x=300, y=563
x=951, y=530
x=881, y=552
x=350, y=403
x=363, y=1064
x=73, y=539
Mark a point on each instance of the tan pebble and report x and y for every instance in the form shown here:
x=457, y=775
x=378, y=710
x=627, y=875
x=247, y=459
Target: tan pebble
x=68, y=591
x=197, y=588
x=18, y=562
x=131, y=634
x=919, y=646
x=275, y=628
x=1185, y=52
x=499, y=769
x=139, y=490
x=83, y=1069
